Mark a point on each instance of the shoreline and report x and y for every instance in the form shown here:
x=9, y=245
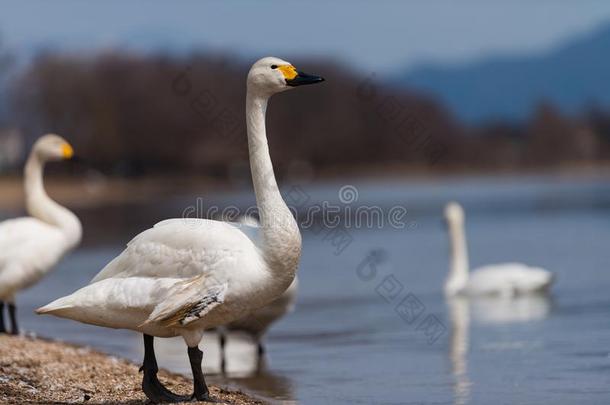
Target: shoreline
x=44, y=371
x=94, y=191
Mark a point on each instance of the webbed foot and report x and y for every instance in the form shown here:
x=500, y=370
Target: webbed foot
x=156, y=392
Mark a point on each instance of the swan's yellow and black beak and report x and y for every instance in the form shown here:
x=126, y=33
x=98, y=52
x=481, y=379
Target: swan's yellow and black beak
x=66, y=151
x=295, y=78
x=304, y=78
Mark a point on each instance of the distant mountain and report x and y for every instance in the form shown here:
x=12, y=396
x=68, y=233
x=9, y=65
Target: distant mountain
x=571, y=76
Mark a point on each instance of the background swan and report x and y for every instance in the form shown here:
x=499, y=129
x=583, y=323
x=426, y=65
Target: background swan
x=256, y=323
x=506, y=279
x=184, y=276
x=31, y=246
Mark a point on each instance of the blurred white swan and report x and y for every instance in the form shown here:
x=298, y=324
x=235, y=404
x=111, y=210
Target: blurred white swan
x=507, y=279
x=184, y=276
x=256, y=323
x=31, y=246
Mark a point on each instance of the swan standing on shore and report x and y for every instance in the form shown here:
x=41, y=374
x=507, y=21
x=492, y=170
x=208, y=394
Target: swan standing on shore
x=256, y=323
x=507, y=279
x=31, y=246
x=184, y=276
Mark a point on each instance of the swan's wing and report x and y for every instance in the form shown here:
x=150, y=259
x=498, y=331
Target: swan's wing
x=28, y=249
x=114, y=302
x=172, y=273
x=185, y=248
x=247, y=225
x=26, y=238
x=188, y=301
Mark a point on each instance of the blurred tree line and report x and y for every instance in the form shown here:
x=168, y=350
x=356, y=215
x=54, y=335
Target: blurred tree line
x=134, y=115
x=6, y=62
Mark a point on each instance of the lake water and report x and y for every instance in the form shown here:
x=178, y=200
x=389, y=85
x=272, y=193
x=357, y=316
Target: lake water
x=371, y=324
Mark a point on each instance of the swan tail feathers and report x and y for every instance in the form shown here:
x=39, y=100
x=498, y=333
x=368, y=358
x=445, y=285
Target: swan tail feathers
x=184, y=306
x=54, y=307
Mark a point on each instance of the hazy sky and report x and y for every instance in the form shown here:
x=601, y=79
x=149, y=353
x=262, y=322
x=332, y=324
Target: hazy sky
x=369, y=35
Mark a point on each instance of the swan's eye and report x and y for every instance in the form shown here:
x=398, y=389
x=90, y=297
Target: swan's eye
x=273, y=66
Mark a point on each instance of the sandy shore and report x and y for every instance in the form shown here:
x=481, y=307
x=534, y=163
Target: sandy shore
x=95, y=191
x=37, y=371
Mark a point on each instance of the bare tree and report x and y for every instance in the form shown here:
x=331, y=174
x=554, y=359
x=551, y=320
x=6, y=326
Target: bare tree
x=137, y=114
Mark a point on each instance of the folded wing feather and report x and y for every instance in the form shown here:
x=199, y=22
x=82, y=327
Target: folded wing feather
x=188, y=301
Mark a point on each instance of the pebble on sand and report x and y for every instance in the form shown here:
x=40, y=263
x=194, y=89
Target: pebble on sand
x=46, y=372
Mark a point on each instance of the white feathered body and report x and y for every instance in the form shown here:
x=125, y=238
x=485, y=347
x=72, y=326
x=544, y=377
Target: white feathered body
x=31, y=246
x=258, y=322
x=171, y=267
x=186, y=275
x=29, y=249
x=507, y=279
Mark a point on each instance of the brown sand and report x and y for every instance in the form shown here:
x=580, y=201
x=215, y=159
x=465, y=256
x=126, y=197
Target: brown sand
x=78, y=192
x=35, y=371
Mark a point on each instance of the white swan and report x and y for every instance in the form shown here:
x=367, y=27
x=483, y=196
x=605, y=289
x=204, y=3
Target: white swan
x=184, y=276
x=31, y=246
x=259, y=321
x=507, y=279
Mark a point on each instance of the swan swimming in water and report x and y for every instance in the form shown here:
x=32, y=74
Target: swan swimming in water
x=507, y=279
x=31, y=246
x=184, y=276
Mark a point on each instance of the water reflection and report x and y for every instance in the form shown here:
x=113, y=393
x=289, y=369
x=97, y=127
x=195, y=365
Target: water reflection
x=458, y=348
x=243, y=365
x=248, y=368
x=522, y=308
x=485, y=310
x=344, y=333
x=267, y=384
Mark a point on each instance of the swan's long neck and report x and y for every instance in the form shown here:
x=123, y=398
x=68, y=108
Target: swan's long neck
x=458, y=259
x=281, y=236
x=41, y=206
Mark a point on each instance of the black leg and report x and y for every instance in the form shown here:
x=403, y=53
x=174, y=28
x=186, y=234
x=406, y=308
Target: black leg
x=2, y=328
x=223, y=357
x=261, y=354
x=152, y=387
x=200, y=388
x=12, y=312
